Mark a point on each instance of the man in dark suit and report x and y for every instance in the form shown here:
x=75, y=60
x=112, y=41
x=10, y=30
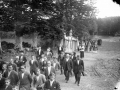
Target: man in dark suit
x=68, y=66
x=25, y=79
x=39, y=80
x=49, y=69
x=51, y=84
x=39, y=52
x=12, y=75
x=42, y=63
x=61, y=59
x=78, y=69
x=23, y=58
x=4, y=70
x=33, y=65
x=13, y=64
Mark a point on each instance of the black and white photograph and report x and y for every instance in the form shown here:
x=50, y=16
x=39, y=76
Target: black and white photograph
x=59, y=45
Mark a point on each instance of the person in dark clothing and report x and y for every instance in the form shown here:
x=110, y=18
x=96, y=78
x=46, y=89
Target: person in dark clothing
x=60, y=50
x=68, y=66
x=78, y=69
x=33, y=65
x=39, y=53
x=4, y=71
x=23, y=58
x=13, y=65
x=7, y=84
x=1, y=64
x=2, y=81
x=61, y=59
x=25, y=79
x=51, y=84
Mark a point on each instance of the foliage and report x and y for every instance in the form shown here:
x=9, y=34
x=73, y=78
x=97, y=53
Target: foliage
x=49, y=18
x=108, y=26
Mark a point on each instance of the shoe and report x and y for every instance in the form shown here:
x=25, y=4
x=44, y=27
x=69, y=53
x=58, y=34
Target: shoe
x=78, y=84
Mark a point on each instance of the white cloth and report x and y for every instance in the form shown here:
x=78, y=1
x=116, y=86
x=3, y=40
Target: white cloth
x=9, y=73
x=39, y=51
x=37, y=78
x=51, y=82
x=60, y=48
x=78, y=62
x=82, y=48
x=42, y=59
x=22, y=75
x=32, y=61
x=67, y=59
x=49, y=69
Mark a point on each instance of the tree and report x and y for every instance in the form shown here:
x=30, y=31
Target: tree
x=47, y=18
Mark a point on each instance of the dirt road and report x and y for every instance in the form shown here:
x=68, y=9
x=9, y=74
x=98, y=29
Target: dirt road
x=102, y=68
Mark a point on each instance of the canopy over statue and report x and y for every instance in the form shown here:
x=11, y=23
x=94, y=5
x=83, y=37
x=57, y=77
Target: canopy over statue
x=69, y=43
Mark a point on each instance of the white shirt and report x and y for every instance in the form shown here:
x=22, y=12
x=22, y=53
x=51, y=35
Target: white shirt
x=81, y=48
x=39, y=51
x=59, y=48
x=67, y=59
x=37, y=78
x=42, y=59
x=32, y=61
x=22, y=75
x=9, y=73
x=49, y=69
x=51, y=82
x=78, y=62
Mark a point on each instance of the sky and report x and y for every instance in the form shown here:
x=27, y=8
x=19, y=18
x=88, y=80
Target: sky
x=107, y=8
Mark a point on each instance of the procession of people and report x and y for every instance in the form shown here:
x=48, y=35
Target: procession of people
x=41, y=75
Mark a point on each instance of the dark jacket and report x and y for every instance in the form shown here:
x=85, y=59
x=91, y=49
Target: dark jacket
x=13, y=78
x=61, y=59
x=52, y=71
x=23, y=59
x=33, y=65
x=55, y=86
x=9, y=87
x=68, y=65
x=5, y=74
x=26, y=80
x=39, y=54
x=2, y=83
x=78, y=68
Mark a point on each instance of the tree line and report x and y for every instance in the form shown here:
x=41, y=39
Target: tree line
x=48, y=19
x=108, y=26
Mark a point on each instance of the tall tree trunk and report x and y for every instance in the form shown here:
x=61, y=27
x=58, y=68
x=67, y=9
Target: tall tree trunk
x=35, y=42
x=19, y=40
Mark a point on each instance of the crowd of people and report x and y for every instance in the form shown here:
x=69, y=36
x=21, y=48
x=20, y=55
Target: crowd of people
x=41, y=74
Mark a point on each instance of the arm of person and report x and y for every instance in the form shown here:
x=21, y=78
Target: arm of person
x=36, y=62
x=44, y=80
x=30, y=78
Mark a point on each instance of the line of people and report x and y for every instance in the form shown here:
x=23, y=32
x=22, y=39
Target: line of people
x=43, y=67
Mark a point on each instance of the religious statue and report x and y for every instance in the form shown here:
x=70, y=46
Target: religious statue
x=69, y=42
